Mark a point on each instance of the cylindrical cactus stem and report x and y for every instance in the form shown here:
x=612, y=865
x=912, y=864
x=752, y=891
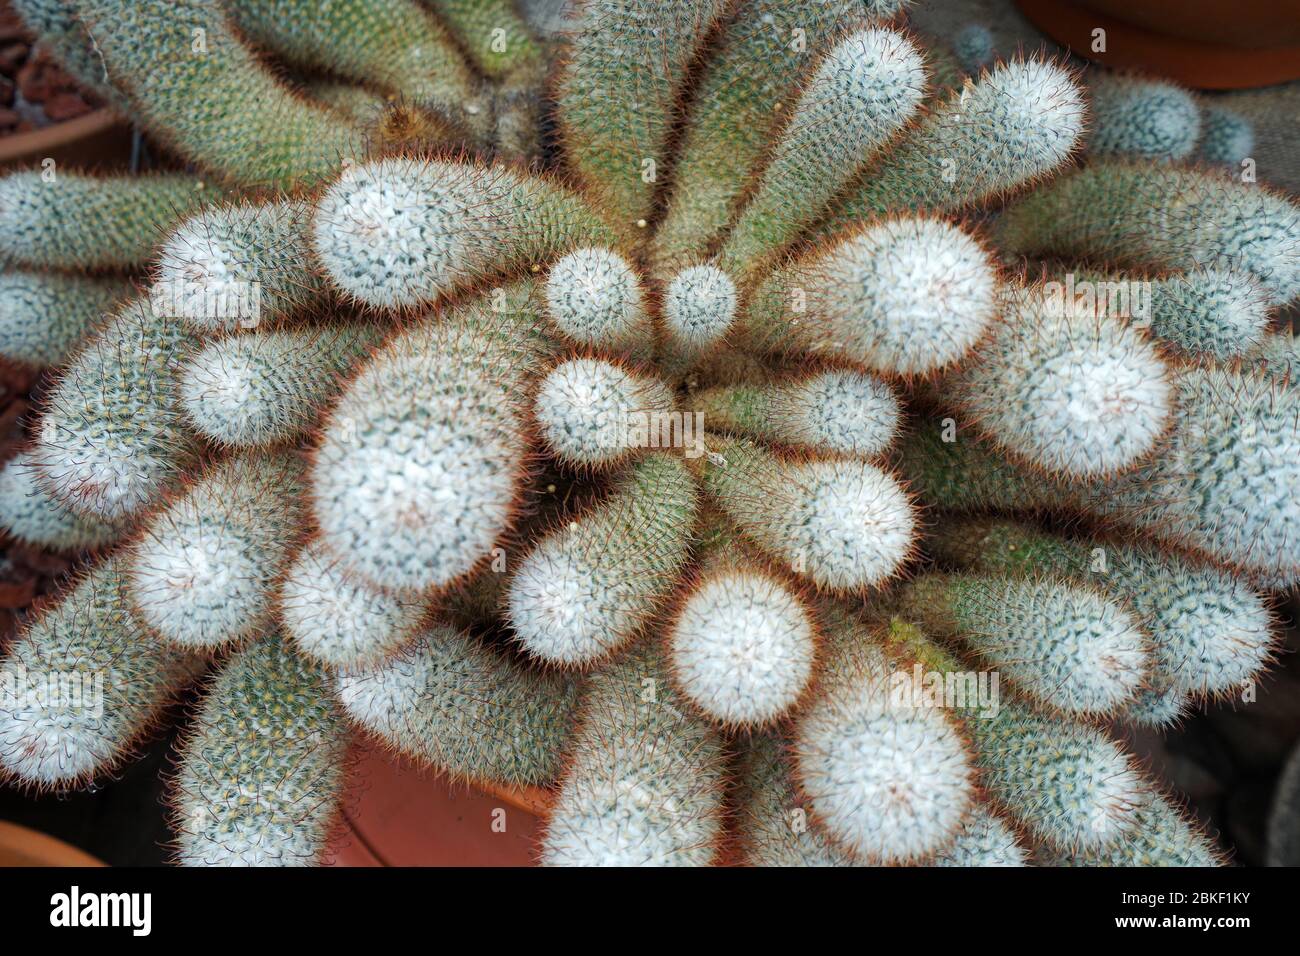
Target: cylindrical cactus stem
x=254, y=390
x=1066, y=388
x=44, y=314
x=238, y=266
x=835, y=412
x=456, y=223
x=617, y=94
x=1278, y=356
x=950, y=467
x=1223, y=484
x=1141, y=117
x=699, y=306
x=1210, y=311
x=84, y=682
x=589, y=587
x=594, y=298
x=591, y=412
x=1066, y=783
x=422, y=458
x=56, y=25
x=497, y=39
x=1144, y=216
x=396, y=45
x=997, y=133
x=742, y=643
x=1161, y=835
x=75, y=221
x=1064, y=644
x=863, y=92
x=467, y=709
x=762, y=57
x=111, y=439
x=984, y=839
x=262, y=771
x=890, y=781
x=339, y=621
x=1210, y=631
x=28, y=513
x=1226, y=137
x=199, y=89
x=204, y=572
x=844, y=524
x=646, y=777
x=903, y=297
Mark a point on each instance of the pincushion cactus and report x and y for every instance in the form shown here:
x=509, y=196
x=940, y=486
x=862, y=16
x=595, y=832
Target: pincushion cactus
x=639, y=466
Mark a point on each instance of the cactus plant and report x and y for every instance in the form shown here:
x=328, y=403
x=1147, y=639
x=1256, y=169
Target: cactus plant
x=667, y=447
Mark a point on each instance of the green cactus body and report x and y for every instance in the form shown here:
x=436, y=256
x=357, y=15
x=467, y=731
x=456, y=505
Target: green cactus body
x=193, y=83
x=261, y=774
x=998, y=133
x=589, y=587
x=87, y=681
x=28, y=513
x=110, y=439
x=862, y=93
x=466, y=709
x=457, y=223
x=1226, y=137
x=396, y=45
x=56, y=24
x=1065, y=645
x=44, y=315
x=1139, y=117
x=254, y=390
x=74, y=221
x=1161, y=835
x=645, y=780
x=1134, y=214
x=237, y=267
x=828, y=413
x=204, y=570
x=497, y=39
x=752, y=78
x=1278, y=356
x=845, y=525
x=903, y=297
x=1210, y=631
x=616, y=97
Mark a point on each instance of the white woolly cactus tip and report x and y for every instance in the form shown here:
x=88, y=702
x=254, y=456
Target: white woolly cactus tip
x=204, y=569
x=30, y=514
x=591, y=411
x=844, y=524
x=110, y=440
x=699, y=306
x=839, y=412
x=255, y=389
x=890, y=781
x=1226, y=137
x=234, y=267
x=261, y=775
x=594, y=298
x=1067, y=646
x=905, y=297
x=1134, y=116
x=1067, y=388
x=400, y=232
x=588, y=588
x=984, y=839
x=419, y=463
x=82, y=683
x=742, y=647
x=339, y=621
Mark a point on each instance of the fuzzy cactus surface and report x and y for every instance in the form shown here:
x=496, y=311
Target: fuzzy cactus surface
x=718, y=419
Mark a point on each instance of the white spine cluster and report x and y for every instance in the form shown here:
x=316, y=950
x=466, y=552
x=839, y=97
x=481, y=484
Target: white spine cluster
x=594, y=298
x=699, y=307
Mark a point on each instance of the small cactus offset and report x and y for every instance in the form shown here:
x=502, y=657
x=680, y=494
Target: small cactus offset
x=725, y=420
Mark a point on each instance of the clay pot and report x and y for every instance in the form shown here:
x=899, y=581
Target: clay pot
x=1204, y=44
x=20, y=846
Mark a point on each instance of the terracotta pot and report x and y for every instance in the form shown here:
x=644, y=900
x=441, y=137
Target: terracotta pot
x=99, y=139
x=20, y=846
x=1205, y=44
x=399, y=815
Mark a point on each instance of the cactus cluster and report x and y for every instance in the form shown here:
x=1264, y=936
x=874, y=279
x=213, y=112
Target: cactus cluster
x=769, y=467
